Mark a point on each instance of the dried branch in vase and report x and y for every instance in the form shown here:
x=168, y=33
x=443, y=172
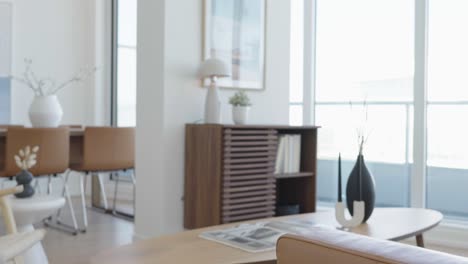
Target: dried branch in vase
x=49, y=86
x=26, y=158
x=362, y=130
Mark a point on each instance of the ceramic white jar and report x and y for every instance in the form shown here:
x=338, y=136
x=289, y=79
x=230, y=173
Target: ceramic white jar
x=240, y=114
x=45, y=111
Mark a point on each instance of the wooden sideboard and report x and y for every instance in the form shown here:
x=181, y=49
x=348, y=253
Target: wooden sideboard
x=230, y=173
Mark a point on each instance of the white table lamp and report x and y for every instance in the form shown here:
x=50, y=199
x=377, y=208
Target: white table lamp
x=213, y=69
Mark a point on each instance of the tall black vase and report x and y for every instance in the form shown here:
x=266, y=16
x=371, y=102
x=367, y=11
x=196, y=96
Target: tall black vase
x=353, y=192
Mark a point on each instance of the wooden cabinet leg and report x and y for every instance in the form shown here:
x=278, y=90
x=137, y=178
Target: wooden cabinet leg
x=420, y=240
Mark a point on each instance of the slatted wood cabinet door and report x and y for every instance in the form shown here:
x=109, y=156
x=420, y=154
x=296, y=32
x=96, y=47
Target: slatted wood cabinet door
x=249, y=184
x=229, y=173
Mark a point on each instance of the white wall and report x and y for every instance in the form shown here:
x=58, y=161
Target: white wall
x=169, y=96
x=270, y=106
x=59, y=36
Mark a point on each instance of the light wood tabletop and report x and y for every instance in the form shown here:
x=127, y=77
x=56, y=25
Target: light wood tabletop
x=186, y=247
x=73, y=132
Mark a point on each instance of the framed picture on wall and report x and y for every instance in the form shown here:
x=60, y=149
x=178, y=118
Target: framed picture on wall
x=6, y=24
x=234, y=32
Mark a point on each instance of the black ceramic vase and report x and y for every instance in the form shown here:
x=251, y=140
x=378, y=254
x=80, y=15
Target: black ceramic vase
x=367, y=190
x=25, y=178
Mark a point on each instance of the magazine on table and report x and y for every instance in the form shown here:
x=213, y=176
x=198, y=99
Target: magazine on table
x=258, y=237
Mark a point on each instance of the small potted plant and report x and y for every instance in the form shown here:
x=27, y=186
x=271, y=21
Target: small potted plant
x=25, y=160
x=240, y=107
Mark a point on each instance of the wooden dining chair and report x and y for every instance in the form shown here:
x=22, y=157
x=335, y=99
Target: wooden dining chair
x=105, y=149
x=14, y=244
x=52, y=157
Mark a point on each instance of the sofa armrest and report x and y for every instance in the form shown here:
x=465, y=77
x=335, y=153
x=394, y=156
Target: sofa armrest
x=324, y=245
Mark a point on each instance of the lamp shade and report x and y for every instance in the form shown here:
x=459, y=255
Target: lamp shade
x=213, y=68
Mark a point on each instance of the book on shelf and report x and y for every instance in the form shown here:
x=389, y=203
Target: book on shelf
x=288, y=157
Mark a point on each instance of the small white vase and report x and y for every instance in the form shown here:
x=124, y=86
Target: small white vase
x=240, y=114
x=45, y=111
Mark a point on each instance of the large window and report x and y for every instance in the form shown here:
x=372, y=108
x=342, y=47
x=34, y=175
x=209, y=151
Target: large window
x=447, y=110
x=373, y=64
x=124, y=62
x=364, y=80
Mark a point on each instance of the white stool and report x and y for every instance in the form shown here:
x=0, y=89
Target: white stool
x=28, y=211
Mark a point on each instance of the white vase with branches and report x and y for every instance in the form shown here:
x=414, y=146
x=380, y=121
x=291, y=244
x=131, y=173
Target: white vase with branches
x=45, y=109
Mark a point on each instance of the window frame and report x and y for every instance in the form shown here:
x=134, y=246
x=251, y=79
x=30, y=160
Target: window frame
x=114, y=61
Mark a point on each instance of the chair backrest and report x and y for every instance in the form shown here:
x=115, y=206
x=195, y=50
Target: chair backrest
x=327, y=245
x=53, y=155
x=108, y=148
x=2, y=142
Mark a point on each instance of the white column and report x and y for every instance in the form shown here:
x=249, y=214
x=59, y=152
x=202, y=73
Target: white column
x=418, y=177
x=100, y=96
x=310, y=7
x=149, y=218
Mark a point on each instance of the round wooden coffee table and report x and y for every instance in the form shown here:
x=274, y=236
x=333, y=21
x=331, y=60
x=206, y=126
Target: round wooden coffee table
x=186, y=247
x=392, y=223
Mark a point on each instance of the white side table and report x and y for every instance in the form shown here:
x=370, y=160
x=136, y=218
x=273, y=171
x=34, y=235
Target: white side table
x=28, y=211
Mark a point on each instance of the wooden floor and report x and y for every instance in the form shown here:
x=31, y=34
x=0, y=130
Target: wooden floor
x=106, y=231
